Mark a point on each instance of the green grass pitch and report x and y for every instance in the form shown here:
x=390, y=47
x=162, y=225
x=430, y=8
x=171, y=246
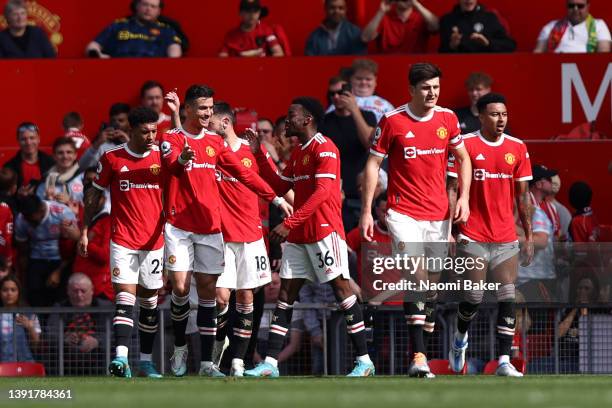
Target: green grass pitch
x=334, y=392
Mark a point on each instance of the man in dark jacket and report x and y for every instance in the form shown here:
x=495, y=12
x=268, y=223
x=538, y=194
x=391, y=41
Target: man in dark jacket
x=30, y=164
x=469, y=27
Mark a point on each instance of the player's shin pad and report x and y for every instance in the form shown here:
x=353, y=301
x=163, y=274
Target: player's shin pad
x=123, y=322
x=414, y=312
x=243, y=329
x=506, y=318
x=179, y=313
x=147, y=323
x=468, y=309
x=281, y=320
x=207, y=325
x=354, y=324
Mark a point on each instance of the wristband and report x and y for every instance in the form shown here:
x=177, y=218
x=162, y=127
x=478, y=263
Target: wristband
x=278, y=201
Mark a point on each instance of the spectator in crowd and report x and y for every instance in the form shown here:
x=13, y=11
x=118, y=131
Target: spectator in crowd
x=96, y=265
x=363, y=76
x=253, y=37
x=73, y=128
x=64, y=181
x=537, y=282
x=470, y=27
x=319, y=294
x=478, y=84
x=172, y=23
x=265, y=132
x=6, y=233
x=401, y=29
x=19, y=332
x=152, y=96
x=30, y=164
x=111, y=134
x=577, y=32
x=381, y=236
x=8, y=188
x=140, y=35
x=559, y=215
x=349, y=127
x=584, y=291
x=584, y=226
x=296, y=331
x=84, y=333
x=5, y=267
x=21, y=40
x=336, y=35
x=38, y=229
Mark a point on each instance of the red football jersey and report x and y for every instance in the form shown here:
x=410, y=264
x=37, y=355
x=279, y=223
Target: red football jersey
x=191, y=194
x=496, y=167
x=261, y=38
x=398, y=37
x=164, y=124
x=135, y=186
x=418, y=152
x=81, y=141
x=6, y=231
x=584, y=227
x=316, y=214
x=241, y=218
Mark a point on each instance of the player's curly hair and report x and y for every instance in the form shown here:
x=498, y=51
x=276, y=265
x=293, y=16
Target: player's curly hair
x=142, y=114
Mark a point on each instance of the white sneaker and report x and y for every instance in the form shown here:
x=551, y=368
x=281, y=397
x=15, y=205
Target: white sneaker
x=178, y=361
x=210, y=370
x=218, y=349
x=419, y=367
x=507, y=370
x=456, y=355
x=237, y=369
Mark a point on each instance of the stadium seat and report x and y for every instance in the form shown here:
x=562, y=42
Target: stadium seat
x=442, y=367
x=22, y=369
x=518, y=363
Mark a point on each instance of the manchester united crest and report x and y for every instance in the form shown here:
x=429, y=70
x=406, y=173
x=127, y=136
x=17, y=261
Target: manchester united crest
x=155, y=169
x=442, y=133
x=116, y=272
x=510, y=158
x=172, y=259
x=246, y=162
x=306, y=160
x=210, y=151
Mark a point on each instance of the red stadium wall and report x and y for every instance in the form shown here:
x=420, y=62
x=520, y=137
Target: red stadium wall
x=42, y=91
x=207, y=21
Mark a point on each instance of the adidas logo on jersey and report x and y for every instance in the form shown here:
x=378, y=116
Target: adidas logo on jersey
x=480, y=157
x=124, y=169
x=409, y=135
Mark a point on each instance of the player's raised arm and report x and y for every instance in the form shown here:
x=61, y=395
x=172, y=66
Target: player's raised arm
x=281, y=183
x=176, y=152
x=252, y=180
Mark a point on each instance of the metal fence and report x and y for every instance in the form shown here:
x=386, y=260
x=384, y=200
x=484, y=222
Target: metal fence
x=552, y=339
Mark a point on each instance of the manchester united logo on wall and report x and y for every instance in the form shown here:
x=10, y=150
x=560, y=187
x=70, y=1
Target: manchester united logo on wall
x=39, y=15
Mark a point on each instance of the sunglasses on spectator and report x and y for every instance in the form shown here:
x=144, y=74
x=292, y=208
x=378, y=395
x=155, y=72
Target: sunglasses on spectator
x=30, y=127
x=575, y=6
x=334, y=93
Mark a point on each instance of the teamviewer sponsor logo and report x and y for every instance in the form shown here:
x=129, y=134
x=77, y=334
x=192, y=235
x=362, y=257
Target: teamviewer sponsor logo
x=410, y=152
x=124, y=185
x=482, y=174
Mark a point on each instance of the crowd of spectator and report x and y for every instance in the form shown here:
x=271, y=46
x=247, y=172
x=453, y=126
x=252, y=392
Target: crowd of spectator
x=397, y=27
x=42, y=195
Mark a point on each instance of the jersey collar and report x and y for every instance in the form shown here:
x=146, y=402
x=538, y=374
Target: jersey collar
x=131, y=153
x=305, y=145
x=419, y=118
x=192, y=136
x=494, y=144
